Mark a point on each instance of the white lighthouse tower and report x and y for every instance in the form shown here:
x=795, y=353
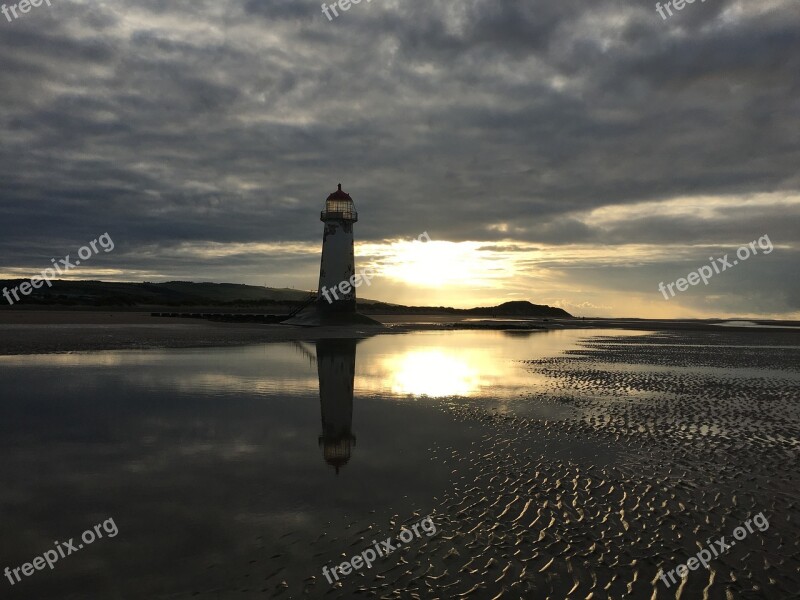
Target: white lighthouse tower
x=336, y=294
x=336, y=297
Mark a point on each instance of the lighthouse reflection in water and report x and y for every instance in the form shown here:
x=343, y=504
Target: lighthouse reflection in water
x=336, y=366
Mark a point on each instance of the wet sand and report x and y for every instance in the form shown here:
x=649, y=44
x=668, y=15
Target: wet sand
x=663, y=442
x=42, y=332
x=669, y=441
x=45, y=331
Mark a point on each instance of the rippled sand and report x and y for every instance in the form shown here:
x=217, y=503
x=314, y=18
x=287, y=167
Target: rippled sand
x=670, y=440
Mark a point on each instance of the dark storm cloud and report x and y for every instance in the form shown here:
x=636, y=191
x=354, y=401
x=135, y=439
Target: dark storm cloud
x=186, y=121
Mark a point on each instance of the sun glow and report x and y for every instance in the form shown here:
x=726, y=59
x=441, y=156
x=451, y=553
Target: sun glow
x=437, y=263
x=433, y=373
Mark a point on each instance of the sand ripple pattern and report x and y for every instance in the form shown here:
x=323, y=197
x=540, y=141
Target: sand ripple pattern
x=672, y=440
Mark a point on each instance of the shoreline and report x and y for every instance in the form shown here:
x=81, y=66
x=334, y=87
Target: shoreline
x=53, y=332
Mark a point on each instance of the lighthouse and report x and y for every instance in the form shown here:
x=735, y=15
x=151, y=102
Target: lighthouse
x=336, y=295
x=335, y=301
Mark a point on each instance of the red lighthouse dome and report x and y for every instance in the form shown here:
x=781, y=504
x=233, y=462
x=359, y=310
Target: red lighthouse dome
x=339, y=207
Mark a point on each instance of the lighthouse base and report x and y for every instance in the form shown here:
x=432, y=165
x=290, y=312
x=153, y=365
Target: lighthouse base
x=313, y=317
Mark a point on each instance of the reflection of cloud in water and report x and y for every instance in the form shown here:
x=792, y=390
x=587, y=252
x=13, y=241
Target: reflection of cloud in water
x=434, y=364
x=74, y=359
x=211, y=382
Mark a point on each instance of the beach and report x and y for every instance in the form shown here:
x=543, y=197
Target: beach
x=571, y=463
x=667, y=443
x=34, y=332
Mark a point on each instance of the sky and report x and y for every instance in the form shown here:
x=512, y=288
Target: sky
x=570, y=153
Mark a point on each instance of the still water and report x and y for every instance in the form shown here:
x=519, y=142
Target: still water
x=236, y=472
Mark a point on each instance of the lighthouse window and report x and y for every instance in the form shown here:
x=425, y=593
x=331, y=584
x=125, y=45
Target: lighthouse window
x=339, y=206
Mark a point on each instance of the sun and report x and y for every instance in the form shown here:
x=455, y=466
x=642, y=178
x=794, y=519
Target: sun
x=437, y=264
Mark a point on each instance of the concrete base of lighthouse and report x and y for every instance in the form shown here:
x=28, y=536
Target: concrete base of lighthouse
x=314, y=317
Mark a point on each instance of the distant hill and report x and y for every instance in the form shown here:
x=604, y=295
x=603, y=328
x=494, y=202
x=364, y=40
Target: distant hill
x=521, y=308
x=171, y=293
x=517, y=308
x=227, y=295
